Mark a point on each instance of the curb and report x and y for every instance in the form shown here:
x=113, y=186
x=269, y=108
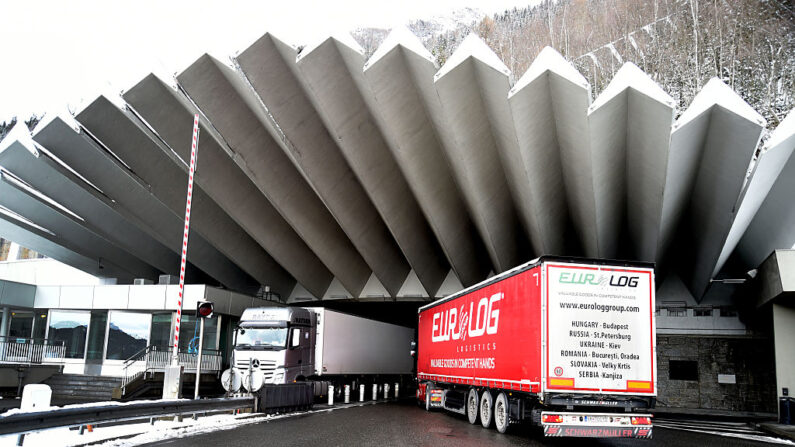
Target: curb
x=776, y=429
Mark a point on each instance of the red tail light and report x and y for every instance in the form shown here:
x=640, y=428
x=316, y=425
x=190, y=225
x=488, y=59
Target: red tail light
x=551, y=419
x=641, y=420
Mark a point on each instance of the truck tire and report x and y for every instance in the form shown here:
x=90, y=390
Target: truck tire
x=486, y=409
x=472, y=406
x=502, y=413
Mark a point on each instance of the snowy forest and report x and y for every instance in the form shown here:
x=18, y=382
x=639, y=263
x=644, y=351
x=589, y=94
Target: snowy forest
x=681, y=44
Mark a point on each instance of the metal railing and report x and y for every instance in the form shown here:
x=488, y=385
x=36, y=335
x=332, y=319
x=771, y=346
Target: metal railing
x=29, y=351
x=23, y=422
x=156, y=359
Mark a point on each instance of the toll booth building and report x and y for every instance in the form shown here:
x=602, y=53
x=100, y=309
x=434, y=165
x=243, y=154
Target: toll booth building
x=102, y=342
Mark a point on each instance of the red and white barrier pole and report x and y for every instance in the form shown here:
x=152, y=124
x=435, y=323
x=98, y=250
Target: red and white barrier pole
x=194, y=147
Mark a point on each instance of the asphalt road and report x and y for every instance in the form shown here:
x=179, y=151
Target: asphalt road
x=405, y=424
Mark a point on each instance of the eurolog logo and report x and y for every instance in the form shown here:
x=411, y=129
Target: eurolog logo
x=457, y=324
x=594, y=280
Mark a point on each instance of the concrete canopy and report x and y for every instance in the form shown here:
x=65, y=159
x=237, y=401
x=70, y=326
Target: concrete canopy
x=269, y=67
x=162, y=108
x=234, y=111
x=473, y=148
x=147, y=159
x=325, y=177
x=401, y=77
x=333, y=72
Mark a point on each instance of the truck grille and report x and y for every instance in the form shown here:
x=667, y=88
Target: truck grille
x=266, y=366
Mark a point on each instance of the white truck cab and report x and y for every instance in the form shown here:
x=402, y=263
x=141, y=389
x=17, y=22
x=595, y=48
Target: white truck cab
x=277, y=341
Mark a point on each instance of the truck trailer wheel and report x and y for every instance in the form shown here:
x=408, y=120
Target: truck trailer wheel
x=486, y=409
x=472, y=406
x=502, y=413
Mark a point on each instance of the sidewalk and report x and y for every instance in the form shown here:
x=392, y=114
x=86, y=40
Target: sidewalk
x=784, y=431
x=714, y=415
x=763, y=421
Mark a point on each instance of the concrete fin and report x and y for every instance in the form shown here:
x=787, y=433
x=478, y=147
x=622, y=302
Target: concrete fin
x=400, y=36
x=344, y=39
x=412, y=287
x=336, y=291
x=20, y=135
x=472, y=47
x=549, y=60
x=716, y=92
x=300, y=294
x=374, y=289
x=631, y=76
x=450, y=285
x=778, y=150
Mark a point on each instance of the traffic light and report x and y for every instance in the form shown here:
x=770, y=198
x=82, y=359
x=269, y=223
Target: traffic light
x=204, y=309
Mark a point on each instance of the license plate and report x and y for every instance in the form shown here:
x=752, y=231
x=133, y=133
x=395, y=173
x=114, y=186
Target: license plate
x=599, y=419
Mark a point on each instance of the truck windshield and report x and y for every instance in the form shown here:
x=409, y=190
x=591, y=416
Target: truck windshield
x=264, y=338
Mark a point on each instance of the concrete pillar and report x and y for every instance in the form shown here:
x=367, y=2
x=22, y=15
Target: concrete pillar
x=4, y=322
x=784, y=338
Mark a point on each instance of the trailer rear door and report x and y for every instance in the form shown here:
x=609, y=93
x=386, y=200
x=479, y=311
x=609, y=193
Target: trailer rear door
x=599, y=329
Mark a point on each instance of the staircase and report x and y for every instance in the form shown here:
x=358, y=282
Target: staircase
x=84, y=388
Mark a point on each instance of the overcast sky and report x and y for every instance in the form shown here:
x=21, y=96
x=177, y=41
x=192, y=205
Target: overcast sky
x=57, y=54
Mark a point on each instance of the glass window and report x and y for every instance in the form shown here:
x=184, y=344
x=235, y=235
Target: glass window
x=21, y=325
x=96, y=334
x=128, y=334
x=189, y=333
x=69, y=328
x=40, y=324
x=262, y=337
x=161, y=331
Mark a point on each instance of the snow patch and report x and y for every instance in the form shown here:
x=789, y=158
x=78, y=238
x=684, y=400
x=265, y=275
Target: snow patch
x=472, y=47
x=718, y=93
x=403, y=37
x=630, y=76
x=784, y=131
x=550, y=60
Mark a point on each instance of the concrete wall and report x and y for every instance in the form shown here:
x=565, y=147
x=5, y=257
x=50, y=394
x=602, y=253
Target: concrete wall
x=45, y=272
x=749, y=360
x=784, y=333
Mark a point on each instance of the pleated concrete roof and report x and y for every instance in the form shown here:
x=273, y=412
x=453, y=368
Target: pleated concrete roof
x=325, y=176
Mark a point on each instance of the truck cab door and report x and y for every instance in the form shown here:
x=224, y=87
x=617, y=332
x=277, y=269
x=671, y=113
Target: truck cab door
x=307, y=350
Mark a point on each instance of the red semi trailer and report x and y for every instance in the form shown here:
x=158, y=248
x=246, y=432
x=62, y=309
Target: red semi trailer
x=565, y=342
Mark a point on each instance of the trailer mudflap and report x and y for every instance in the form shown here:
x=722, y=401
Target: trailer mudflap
x=596, y=425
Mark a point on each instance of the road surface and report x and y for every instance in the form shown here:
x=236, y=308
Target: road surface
x=404, y=424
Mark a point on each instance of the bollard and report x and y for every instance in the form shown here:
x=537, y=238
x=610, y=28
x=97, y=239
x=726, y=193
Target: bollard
x=397, y=388
x=375, y=391
x=347, y=394
x=361, y=393
x=386, y=391
x=331, y=394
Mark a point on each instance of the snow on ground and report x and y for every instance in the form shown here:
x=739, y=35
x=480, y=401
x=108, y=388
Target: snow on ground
x=144, y=432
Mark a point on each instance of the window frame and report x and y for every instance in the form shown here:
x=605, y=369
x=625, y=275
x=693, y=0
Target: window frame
x=88, y=333
x=107, y=332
